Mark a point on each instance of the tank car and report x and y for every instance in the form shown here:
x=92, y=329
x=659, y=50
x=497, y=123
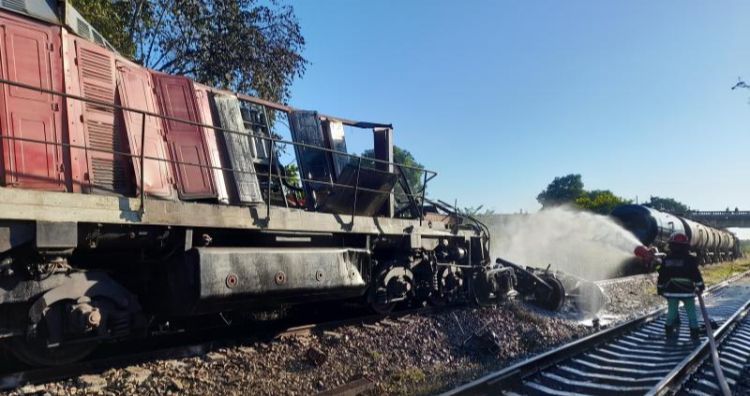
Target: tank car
x=131, y=199
x=653, y=228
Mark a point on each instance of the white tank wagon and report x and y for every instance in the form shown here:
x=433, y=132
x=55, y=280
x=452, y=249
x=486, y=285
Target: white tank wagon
x=653, y=228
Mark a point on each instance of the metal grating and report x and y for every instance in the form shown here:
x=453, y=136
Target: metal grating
x=83, y=28
x=18, y=5
x=109, y=172
x=109, y=175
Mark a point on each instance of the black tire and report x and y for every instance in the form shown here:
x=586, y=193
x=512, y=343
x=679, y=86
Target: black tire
x=36, y=354
x=553, y=299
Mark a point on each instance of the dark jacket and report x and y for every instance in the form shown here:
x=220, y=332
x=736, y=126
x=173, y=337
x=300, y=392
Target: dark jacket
x=679, y=276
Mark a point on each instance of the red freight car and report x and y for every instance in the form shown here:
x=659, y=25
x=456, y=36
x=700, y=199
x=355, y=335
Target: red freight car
x=136, y=91
x=90, y=73
x=186, y=140
x=31, y=121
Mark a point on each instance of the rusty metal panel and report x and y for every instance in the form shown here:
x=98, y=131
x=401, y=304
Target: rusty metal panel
x=186, y=141
x=135, y=90
x=28, y=56
x=239, y=149
x=104, y=160
x=315, y=165
x=212, y=141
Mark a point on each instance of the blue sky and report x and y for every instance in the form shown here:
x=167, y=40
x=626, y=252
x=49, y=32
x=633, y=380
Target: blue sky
x=499, y=97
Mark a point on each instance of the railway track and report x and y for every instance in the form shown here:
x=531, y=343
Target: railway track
x=634, y=357
x=733, y=352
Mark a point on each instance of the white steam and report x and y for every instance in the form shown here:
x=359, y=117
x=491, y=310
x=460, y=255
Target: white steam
x=584, y=244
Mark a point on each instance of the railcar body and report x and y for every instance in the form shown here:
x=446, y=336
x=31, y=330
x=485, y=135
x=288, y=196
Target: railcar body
x=130, y=198
x=653, y=228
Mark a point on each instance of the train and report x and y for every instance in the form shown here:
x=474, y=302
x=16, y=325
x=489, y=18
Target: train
x=653, y=228
x=133, y=201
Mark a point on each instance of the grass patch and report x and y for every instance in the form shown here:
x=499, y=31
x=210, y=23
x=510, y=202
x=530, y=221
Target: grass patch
x=409, y=381
x=713, y=274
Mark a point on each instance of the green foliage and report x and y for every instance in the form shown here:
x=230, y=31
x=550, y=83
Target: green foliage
x=569, y=190
x=599, y=201
x=562, y=190
x=248, y=46
x=668, y=205
x=111, y=20
x=291, y=171
x=414, y=176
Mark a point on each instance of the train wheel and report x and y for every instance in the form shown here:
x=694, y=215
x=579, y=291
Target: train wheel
x=35, y=352
x=394, y=283
x=59, y=318
x=550, y=299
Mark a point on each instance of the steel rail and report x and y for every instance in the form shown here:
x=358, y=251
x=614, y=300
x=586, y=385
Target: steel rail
x=512, y=376
x=734, y=352
x=698, y=356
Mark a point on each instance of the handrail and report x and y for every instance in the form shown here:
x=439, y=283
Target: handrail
x=197, y=124
x=428, y=174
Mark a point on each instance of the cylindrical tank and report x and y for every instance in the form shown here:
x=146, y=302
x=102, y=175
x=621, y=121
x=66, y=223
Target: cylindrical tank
x=649, y=225
x=653, y=227
x=696, y=233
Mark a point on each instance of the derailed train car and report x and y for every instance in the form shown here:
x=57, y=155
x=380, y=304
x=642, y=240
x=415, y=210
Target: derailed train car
x=653, y=228
x=131, y=199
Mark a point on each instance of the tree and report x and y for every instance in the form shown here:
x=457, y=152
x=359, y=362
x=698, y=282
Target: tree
x=599, y=201
x=562, y=190
x=668, y=205
x=291, y=171
x=111, y=20
x=240, y=45
x=414, y=176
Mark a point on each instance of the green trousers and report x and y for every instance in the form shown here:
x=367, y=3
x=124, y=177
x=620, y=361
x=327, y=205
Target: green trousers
x=689, y=303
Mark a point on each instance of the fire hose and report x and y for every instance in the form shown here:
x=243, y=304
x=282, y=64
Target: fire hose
x=712, y=344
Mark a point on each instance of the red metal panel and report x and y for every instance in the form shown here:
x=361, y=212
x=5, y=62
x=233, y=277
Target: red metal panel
x=74, y=119
x=186, y=142
x=135, y=90
x=28, y=52
x=212, y=142
x=92, y=76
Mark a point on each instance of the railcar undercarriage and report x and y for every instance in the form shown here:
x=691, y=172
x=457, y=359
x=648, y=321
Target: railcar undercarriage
x=145, y=198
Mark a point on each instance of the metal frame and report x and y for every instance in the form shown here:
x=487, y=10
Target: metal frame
x=427, y=174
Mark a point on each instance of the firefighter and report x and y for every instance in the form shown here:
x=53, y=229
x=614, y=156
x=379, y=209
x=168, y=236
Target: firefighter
x=679, y=280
